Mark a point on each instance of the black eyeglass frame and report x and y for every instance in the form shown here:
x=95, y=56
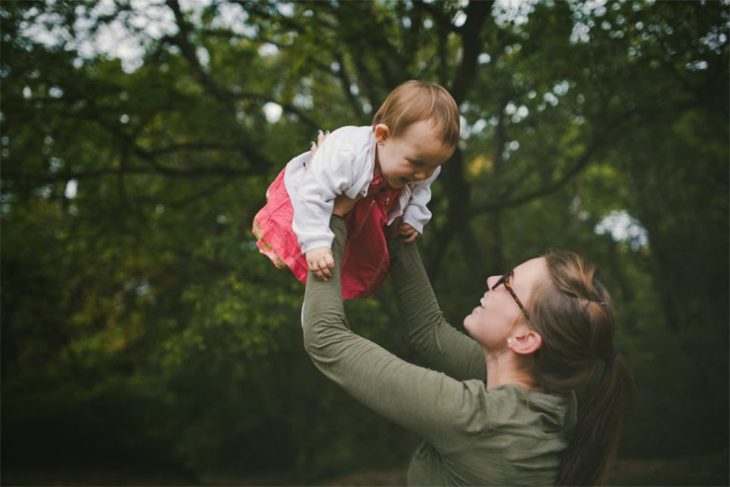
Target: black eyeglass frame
x=504, y=280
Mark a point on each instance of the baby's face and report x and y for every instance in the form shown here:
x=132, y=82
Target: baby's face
x=411, y=156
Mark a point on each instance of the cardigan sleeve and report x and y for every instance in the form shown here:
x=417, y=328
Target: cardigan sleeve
x=326, y=177
x=438, y=407
x=416, y=213
x=442, y=346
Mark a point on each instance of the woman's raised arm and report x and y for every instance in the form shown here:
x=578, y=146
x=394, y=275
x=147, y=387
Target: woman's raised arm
x=441, y=345
x=430, y=403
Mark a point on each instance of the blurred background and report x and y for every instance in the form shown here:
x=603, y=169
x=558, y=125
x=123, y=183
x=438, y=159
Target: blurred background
x=146, y=340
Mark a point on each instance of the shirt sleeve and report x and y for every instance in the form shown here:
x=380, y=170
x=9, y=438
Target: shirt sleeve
x=442, y=346
x=430, y=403
x=416, y=213
x=329, y=174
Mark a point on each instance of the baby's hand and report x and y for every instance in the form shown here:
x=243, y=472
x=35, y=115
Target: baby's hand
x=321, y=262
x=408, y=233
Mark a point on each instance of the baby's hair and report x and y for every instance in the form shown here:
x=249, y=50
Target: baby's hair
x=414, y=101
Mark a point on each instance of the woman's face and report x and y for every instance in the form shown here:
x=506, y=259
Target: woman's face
x=498, y=314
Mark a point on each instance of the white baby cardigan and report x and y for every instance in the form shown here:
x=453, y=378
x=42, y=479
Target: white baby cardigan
x=344, y=164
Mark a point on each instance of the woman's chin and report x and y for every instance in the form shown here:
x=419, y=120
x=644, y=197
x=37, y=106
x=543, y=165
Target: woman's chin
x=467, y=324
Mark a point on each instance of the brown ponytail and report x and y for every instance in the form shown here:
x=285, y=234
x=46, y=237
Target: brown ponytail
x=574, y=315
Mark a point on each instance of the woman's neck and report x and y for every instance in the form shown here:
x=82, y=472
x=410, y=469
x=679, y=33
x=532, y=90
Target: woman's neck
x=502, y=369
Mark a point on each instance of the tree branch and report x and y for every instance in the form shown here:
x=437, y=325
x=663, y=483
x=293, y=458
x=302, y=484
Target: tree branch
x=181, y=39
x=287, y=107
x=345, y=82
x=369, y=83
x=595, y=145
x=457, y=189
x=157, y=170
x=438, y=16
x=477, y=13
x=412, y=37
x=224, y=96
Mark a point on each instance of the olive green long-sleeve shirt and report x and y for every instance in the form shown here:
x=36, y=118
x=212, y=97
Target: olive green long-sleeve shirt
x=472, y=435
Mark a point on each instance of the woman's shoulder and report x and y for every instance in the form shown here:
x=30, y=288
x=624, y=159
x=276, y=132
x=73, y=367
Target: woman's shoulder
x=510, y=410
x=513, y=404
x=515, y=393
x=510, y=398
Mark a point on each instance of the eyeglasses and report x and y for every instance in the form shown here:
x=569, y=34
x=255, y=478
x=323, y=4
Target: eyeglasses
x=505, y=281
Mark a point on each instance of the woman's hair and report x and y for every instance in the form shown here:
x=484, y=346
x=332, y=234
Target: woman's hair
x=414, y=101
x=573, y=314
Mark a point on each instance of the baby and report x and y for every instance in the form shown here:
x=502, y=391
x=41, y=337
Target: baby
x=387, y=167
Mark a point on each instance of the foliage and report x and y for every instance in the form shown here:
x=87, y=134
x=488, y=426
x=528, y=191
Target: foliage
x=135, y=306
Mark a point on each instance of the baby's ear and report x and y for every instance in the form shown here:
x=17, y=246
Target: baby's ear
x=382, y=132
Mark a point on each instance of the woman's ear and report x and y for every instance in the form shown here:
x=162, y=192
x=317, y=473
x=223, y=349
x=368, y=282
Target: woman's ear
x=382, y=132
x=526, y=342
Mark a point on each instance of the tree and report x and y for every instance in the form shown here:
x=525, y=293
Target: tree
x=130, y=275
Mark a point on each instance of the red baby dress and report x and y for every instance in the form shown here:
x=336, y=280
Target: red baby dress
x=365, y=261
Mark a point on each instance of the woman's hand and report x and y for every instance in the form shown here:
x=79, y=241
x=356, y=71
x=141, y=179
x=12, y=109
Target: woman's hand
x=343, y=204
x=408, y=233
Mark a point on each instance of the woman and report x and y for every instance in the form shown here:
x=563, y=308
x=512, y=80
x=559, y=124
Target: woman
x=497, y=407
